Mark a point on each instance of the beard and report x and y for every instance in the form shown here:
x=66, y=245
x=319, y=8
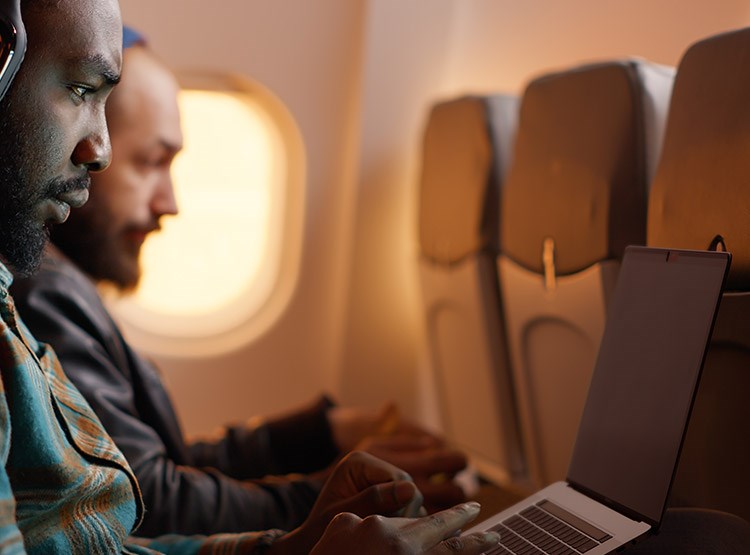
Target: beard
x=22, y=237
x=23, y=234
x=90, y=240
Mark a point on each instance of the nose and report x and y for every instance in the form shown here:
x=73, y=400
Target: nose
x=164, y=203
x=94, y=151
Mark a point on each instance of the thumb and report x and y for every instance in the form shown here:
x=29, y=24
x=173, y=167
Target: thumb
x=401, y=498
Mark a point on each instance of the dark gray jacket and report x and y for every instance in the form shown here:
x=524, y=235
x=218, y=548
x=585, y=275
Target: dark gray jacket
x=187, y=489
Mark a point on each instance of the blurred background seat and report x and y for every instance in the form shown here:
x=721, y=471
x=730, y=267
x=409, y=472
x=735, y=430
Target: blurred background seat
x=587, y=143
x=701, y=190
x=467, y=144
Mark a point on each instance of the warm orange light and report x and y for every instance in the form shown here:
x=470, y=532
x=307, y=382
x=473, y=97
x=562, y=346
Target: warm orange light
x=223, y=269
x=212, y=252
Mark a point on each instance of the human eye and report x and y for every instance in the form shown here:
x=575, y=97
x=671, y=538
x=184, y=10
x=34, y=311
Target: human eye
x=146, y=163
x=156, y=159
x=79, y=92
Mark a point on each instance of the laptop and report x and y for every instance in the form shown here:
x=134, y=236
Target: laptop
x=642, y=390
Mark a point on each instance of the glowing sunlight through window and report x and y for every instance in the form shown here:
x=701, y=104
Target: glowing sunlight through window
x=217, y=264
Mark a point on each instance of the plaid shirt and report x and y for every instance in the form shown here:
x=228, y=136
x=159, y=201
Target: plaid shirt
x=64, y=485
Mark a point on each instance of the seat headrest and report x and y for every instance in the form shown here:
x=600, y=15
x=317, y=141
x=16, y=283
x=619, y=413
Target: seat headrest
x=702, y=185
x=579, y=172
x=460, y=175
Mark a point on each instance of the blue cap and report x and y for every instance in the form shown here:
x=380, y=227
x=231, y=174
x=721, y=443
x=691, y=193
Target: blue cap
x=131, y=37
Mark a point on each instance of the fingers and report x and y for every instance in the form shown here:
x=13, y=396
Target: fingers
x=344, y=523
x=416, y=456
x=431, y=530
x=358, y=471
x=364, y=485
x=336, y=538
x=473, y=544
x=400, y=498
x=434, y=535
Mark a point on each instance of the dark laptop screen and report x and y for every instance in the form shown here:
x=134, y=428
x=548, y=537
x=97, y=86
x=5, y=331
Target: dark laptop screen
x=650, y=358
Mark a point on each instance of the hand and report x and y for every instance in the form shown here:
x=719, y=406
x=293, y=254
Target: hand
x=365, y=485
x=359, y=484
x=351, y=425
x=386, y=435
x=433, y=535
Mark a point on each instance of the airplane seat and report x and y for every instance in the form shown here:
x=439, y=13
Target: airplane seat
x=700, y=191
x=587, y=144
x=466, y=147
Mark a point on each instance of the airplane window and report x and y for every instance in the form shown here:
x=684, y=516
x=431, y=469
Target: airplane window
x=222, y=269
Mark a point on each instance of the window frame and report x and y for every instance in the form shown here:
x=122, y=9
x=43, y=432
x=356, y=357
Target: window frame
x=237, y=323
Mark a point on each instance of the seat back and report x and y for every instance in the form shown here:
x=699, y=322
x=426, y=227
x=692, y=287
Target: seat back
x=701, y=190
x=467, y=144
x=575, y=197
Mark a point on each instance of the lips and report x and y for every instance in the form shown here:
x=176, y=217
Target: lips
x=75, y=198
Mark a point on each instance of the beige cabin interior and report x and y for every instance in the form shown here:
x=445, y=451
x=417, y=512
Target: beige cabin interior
x=362, y=80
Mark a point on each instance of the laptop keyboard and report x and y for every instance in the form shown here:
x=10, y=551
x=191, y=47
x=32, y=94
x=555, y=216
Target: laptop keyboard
x=546, y=528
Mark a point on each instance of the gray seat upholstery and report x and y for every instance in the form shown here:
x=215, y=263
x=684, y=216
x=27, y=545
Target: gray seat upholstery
x=576, y=195
x=701, y=189
x=466, y=142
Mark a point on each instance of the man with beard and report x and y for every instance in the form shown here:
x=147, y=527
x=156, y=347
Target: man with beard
x=205, y=487
x=64, y=485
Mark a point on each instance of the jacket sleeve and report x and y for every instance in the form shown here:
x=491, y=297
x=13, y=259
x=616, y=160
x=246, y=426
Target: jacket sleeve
x=179, y=497
x=300, y=441
x=251, y=543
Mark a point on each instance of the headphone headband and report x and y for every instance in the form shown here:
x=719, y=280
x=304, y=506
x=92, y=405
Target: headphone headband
x=12, y=42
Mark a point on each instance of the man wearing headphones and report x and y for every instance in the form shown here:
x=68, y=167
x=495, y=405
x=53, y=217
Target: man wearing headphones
x=64, y=485
x=208, y=486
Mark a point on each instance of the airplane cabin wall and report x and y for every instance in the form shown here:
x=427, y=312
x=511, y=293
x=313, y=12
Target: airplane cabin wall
x=359, y=76
x=489, y=46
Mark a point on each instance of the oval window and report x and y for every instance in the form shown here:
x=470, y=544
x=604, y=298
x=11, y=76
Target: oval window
x=222, y=269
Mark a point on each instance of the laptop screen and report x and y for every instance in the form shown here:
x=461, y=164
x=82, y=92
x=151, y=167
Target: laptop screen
x=658, y=326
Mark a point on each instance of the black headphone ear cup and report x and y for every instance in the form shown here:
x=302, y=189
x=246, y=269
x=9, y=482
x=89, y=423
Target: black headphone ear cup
x=12, y=42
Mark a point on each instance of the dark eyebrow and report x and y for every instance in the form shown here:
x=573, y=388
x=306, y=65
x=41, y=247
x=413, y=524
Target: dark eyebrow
x=99, y=65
